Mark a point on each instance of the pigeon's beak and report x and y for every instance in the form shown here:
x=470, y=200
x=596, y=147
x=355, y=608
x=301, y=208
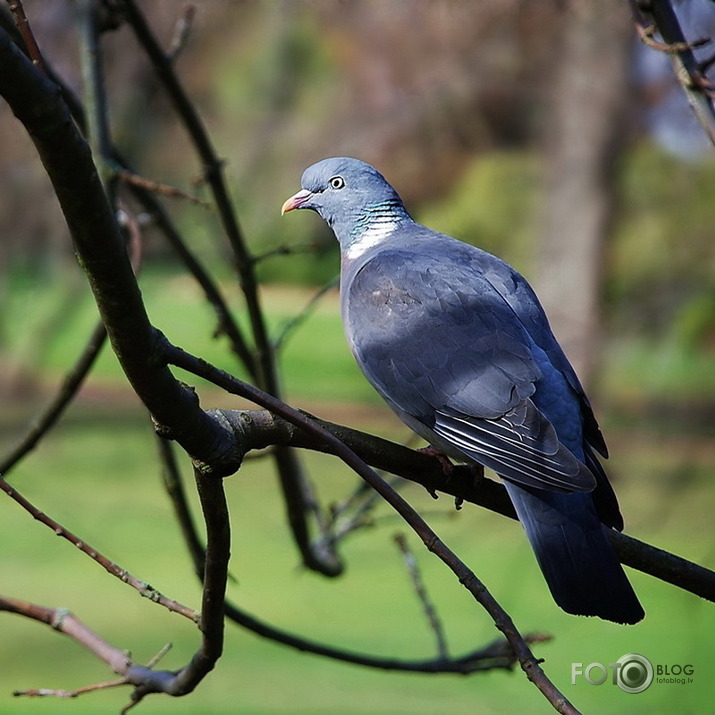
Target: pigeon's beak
x=296, y=201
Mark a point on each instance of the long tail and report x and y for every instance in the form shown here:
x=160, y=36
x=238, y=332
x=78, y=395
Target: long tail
x=578, y=563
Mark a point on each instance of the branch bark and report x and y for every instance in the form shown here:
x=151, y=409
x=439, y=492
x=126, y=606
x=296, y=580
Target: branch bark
x=467, y=483
x=65, y=622
x=38, y=103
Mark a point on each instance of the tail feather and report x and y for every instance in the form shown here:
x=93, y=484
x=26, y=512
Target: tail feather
x=574, y=554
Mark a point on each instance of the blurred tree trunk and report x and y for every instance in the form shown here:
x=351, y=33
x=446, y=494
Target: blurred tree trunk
x=582, y=147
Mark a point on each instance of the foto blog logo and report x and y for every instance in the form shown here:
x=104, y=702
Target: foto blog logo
x=632, y=673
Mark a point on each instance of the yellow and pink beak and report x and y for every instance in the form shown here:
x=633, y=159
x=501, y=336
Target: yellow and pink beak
x=296, y=201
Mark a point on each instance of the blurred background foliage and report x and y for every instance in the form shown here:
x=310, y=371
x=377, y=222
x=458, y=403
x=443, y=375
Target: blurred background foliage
x=453, y=102
x=453, y=105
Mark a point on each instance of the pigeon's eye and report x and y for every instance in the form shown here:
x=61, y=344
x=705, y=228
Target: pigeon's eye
x=337, y=182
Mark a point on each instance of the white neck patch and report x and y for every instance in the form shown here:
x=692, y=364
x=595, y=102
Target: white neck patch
x=374, y=234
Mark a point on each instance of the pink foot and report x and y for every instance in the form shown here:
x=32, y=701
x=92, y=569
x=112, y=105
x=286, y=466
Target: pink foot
x=440, y=456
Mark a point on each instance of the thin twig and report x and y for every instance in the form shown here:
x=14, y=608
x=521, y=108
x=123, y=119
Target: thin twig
x=297, y=320
x=285, y=250
x=67, y=391
x=421, y=591
x=177, y=494
x=154, y=660
x=23, y=25
x=181, y=32
x=59, y=693
x=143, y=588
x=164, y=189
x=227, y=325
x=496, y=655
x=361, y=502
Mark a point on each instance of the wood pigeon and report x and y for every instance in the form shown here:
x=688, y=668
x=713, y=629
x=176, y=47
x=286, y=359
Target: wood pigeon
x=457, y=343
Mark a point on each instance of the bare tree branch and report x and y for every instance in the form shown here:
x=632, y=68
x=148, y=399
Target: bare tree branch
x=157, y=187
x=182, y=30
x=18, y=11
x=60, y=619
x=227, y=325
x=464, y=482
x=318, y=553
x=530, y=665
x=55, y=408
x=108, y=565
x=38, y=103
x=659, y=15
x=494, y=655
x=430, y=612
x=211, y=621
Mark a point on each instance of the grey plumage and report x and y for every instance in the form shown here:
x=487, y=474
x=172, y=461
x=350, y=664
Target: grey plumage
x=456, y=342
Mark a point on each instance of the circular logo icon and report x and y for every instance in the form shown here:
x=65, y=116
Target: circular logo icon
x=635, y=673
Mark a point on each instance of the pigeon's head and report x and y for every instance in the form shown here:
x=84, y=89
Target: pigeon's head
x=351, y=196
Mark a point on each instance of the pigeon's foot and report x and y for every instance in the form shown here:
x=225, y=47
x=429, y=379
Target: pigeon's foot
x=440, y=456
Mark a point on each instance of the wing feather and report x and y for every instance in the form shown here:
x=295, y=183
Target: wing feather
x=438, y=335
x=521, y=446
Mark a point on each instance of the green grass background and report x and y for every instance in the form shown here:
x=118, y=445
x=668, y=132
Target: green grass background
x=98, y=475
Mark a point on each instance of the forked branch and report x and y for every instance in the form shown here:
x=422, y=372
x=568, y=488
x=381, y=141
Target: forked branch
x=145, y=678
